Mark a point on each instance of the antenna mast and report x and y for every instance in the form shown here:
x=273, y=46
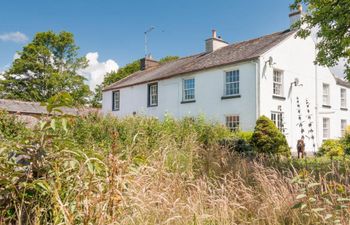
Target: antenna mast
x=146, y=40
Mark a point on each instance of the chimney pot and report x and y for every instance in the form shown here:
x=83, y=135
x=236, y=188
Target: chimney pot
x=300, y=7
x=295, y=16
x=213, y=33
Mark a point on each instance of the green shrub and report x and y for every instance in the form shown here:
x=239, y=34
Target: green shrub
x=268, y=139
x=331, y=148
x=240, y=142
x=10, y=126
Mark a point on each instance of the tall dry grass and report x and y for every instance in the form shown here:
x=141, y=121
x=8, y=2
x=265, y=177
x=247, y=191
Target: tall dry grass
x=142, y=171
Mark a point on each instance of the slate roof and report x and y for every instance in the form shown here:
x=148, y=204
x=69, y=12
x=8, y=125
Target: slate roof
x=234, y=53
x=21, y=107
x=342, y=82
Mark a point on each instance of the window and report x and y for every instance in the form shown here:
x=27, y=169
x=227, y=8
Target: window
x=326, y=128
x=343, y=125
x=188, y=89
x=343, y=98
x=278, y=82
x=153, y=94
x=232, y=122
x=232, y=83
x=277, y=119
x=115, y=100
x=326, y=100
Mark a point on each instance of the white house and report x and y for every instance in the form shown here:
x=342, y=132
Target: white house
x=273, y=75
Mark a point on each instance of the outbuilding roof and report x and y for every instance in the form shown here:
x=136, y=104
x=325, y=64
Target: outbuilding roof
x=32, y=108
x=234, y=53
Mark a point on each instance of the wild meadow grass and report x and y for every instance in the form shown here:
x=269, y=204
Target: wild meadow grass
x=104, y=170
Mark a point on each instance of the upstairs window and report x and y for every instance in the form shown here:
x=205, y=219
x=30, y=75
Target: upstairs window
x=325, y=95
x=153, y=94
x=278, y=83
x=343, y=98
x=343, y=125
x=277, y=119
x=232, y=122
x=326, y=128
x=189, y=89
x=232, y=83
x=115, y=100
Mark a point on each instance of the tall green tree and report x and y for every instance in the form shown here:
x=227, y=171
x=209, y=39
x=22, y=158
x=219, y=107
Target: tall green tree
x=46, y=66
x=332, y=20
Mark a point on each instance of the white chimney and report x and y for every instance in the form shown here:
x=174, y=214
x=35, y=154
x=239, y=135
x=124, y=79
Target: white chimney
x=295, y=16
x=214, y=43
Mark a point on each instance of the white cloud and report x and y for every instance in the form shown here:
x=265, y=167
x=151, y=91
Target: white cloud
x=17, y=37
x=96, y=70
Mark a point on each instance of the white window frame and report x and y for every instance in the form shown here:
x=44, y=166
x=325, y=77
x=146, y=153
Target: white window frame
x=184, y=90
x=233, y=122
x=343, y=103
x=153, y=94
x=235, y=90
x=116, y=100
x=326, y=94
x=343, y=125
x=277, y=119
x=326, y=123
x=278, y=83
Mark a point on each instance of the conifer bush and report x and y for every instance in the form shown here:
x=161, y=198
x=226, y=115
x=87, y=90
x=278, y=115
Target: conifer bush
x=268, y=139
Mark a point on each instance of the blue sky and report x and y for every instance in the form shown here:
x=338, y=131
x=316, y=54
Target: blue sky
x=114, y=29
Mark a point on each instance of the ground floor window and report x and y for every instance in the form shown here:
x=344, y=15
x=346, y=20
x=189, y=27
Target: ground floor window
x=326, y=128
x=232, y=122
x=277, y=119
x=115, y=100
x=343, y=124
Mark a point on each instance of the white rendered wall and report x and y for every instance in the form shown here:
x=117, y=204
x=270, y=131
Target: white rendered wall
x=295, y=58
x=209, y=88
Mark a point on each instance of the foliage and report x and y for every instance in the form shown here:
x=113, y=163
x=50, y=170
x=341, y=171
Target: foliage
x=239, y=142
x=167, y=59
x=331, y=148
x=268, y=139
x=46, y=66
x=11, y=127
x=96, y=100
x=106, y=170
x=122, y=72
x=331, y=19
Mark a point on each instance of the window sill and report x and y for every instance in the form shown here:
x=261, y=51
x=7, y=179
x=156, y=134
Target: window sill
x=278, y=97
x=344, y=109
x=188, y=101
x=115, y=110
x=151, y=106
x=327, y=106
x=230, y=96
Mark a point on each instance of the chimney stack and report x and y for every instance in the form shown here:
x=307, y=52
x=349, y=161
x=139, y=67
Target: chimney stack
x=148, y=62
x=295, y=16
x=214, y=43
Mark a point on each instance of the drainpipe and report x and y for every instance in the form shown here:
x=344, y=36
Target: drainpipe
x=257, y=87
x=316, y=103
